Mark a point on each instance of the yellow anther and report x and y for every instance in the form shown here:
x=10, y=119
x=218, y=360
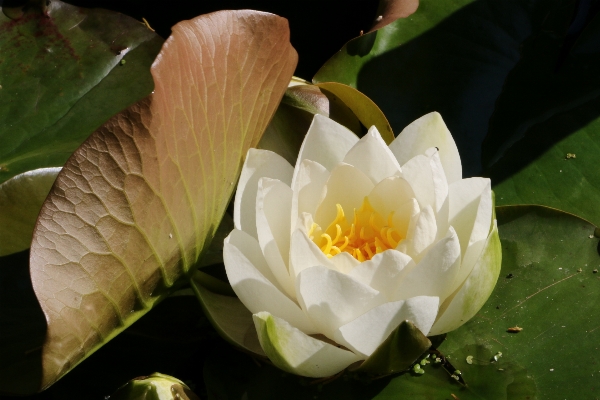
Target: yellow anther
x=327, y=247
x=368, y=250
x=390, y=237
x=346, y=241
x=338, y=233
x=363, y=238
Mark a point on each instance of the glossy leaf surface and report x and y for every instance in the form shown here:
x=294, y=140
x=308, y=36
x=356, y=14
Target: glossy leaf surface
x=515, y=82
x=21, y=198
x=136, y=205
x=63, y=73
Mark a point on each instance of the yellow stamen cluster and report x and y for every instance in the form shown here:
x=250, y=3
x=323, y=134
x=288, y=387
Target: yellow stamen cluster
x=367, y=235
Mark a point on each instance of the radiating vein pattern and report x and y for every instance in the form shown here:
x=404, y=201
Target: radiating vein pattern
x=138, y=202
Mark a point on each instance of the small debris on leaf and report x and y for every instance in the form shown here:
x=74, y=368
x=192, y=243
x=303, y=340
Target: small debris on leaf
x=570, y=155
x=579, y=270
x=509, y=276
x=595, y=271
x=514, y=329
x=454, y=396
x=591, y=236
x=469, y=359
x=418, y=370
x=497, y=356
x=500, y=369
x=147, y=24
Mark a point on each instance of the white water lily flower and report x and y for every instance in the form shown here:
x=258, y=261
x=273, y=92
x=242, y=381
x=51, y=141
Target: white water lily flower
x=331, y=255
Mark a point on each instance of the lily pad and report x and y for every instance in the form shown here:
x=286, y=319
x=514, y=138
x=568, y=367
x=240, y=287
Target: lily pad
x=63, y=72
x=138, y=203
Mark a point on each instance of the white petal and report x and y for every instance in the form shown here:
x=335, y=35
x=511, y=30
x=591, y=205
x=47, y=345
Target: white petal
x=417, y=171
x=304, y=253
x=256, y=291
x=364, y=334
x=424, y=233
x=308, y=186
x=373, y=157
x=293, y=351
x=332, y=299
x=406, y=216
x=250, y=248
x=476, y=289
x=471, y=209
x=258, y=164
x=389, y=193
x=346, y=186
x=384, y=271
x=429, y=131
x=326, y=142
x=344, y=262
x=21, y=198
x=273, y=202
x=440, y=184
x=435, y=273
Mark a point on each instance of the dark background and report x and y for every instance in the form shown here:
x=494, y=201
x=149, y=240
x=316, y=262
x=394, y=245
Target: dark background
x=318, y=28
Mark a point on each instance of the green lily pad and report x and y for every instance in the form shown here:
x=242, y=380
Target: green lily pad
x=21, y=199
x=62, y=74
x=515, y=81
x=548, y=288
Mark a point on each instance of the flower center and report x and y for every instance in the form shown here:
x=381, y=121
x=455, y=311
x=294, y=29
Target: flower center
x=367, y=235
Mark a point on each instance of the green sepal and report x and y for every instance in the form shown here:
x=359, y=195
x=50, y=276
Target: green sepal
x=397, y=353
x=227, y=314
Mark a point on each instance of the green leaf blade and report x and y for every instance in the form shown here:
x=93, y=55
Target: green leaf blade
x=62, y=78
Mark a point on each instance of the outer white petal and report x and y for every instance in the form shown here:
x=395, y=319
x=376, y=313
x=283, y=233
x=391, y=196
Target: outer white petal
x=435, y=273
x=383, y=271
x=308, y=186
x=470, y=209
x=257, y=292
x=293, y=351
x=326, y=142
x=258, y=164
x=440, y=184
x=471, y=215
x=424, y=233
x=364, y=334
x=417, y=171
x=389, y=193
x=476, y=289
x=304, y=253
x=273, y=202
x=332, y=299
x=346, y=186
x=406, y=216
x=429, y=131
x=373, y=157
x=21, y=199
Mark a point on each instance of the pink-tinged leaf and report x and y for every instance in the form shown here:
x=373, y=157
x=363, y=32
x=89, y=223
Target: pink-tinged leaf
x=139, y=201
